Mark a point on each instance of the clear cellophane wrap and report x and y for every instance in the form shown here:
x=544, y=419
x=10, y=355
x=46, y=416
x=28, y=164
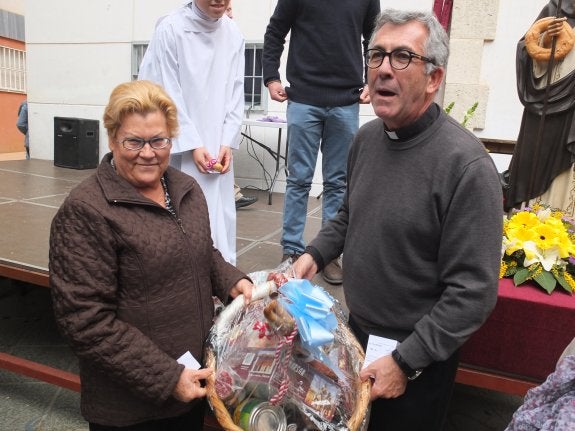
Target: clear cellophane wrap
x=290, y=346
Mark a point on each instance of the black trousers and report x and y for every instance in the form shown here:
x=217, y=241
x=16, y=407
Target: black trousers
x=423, y=406
x=191, y=421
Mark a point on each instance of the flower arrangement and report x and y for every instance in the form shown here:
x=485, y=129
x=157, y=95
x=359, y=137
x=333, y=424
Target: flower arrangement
x=539, y=245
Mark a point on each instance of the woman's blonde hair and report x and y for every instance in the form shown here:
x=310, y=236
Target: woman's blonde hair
x=139, y=97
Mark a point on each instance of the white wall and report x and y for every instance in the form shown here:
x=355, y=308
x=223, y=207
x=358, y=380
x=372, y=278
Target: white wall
x=498, y=68
x=14, y=6
x=504, y=111
x=78, y=50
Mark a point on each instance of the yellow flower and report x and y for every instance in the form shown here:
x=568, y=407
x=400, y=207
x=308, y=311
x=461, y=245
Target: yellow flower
x=556, y=223
x=515, y=238
x=539, y=239
x=570, y=280
x=523, y=219
x=546, y=236
x=502, y=269
x=566, y=247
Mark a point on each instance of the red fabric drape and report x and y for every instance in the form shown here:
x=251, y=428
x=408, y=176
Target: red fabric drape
x=525, y=334
x=442, y=10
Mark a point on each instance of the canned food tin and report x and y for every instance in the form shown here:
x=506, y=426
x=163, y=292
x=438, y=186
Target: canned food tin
x=257, y=415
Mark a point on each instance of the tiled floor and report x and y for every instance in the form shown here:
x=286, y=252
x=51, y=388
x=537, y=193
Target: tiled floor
x=30, y=193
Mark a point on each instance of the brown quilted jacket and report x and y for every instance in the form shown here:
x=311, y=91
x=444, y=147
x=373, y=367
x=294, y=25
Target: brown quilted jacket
x=132, y=291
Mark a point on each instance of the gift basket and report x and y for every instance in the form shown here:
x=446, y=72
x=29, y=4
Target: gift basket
x=287, y=361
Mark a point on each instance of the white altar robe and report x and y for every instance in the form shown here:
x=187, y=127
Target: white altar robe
x=200, y=63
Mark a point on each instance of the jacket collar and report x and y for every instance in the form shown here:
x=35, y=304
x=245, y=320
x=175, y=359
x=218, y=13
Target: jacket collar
x=118, y=189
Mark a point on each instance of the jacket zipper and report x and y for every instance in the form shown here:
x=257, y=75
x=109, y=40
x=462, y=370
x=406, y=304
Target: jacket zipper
x=181, y=226
x=199, y=299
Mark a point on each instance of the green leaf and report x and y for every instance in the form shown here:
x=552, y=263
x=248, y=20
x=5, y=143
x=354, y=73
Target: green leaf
x=468, y=114
x=521, y=276
x=546, y=280
x=563, y=283
x=511, y=270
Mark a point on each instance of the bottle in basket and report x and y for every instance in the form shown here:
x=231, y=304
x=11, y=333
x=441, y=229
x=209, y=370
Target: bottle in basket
x=257, y=415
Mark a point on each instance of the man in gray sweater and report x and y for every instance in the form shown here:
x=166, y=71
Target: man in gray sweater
x=420, y=228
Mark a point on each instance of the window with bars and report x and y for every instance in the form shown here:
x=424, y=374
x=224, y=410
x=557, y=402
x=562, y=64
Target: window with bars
x=138, y=51
x=12, y=70
x=254, y=95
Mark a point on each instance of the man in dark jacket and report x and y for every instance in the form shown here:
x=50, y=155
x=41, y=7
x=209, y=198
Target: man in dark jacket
x=325, y=72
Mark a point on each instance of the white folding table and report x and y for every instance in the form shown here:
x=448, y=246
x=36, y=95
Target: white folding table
x=277, y=154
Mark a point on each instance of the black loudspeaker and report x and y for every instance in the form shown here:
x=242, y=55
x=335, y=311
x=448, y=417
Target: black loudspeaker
x=76, y=143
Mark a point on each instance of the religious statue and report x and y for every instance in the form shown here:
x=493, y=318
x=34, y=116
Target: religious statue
x=542, y=166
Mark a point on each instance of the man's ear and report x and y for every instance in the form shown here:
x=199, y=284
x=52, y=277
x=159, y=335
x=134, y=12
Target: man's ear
x=435, y=79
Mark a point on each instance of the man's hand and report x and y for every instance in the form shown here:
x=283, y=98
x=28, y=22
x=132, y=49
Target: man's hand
x=305, y=267
x=277, y=91
x=189, y=386
x=388, y=379
x=364, y=96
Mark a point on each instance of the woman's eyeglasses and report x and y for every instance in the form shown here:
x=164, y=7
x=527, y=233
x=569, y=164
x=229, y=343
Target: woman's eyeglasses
x=135, y=144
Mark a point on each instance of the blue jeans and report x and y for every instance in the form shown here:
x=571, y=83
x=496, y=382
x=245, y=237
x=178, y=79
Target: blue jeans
x=311, y=128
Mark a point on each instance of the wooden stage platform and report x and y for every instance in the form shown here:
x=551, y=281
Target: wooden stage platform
x=31, y=192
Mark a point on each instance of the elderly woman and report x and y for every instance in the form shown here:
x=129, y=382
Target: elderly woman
x=133, y=271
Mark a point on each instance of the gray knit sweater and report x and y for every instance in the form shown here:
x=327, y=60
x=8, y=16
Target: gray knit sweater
x=420, y=229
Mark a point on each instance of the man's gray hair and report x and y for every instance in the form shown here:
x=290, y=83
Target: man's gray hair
x=436, y=46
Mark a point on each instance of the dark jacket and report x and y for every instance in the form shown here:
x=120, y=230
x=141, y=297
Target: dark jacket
x=132, y=290
x=22, y=122
x=325, y=59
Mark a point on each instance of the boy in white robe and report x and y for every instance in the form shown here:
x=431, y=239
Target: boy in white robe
x=197, y=55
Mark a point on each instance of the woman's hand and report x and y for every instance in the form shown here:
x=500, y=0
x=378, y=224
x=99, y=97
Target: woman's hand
x=245, y=287
x=189, y=386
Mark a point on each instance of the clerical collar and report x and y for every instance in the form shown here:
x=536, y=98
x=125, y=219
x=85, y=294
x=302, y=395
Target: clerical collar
x=415, y=128
x=200, y=13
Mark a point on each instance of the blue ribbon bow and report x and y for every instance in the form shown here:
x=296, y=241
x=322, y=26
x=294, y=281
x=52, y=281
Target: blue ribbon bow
x=311, y=307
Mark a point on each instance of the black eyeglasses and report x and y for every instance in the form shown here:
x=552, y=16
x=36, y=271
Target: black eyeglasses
x=399, y=58
x=135, y=144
